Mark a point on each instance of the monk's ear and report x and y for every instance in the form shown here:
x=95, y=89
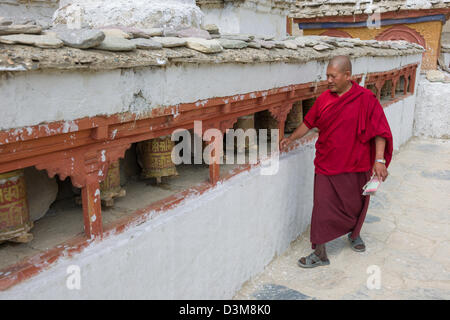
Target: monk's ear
x=348, y=75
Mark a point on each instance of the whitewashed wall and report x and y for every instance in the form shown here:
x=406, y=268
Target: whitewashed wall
x=231, y=19
x=211, y=244
x=40, y=11
x=35, y=97
x=205, y=249
x=432, y=116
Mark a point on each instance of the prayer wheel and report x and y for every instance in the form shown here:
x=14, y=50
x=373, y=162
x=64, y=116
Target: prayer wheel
x=155, y=158
x=110, y=188
x=264, y=120
x=245, y=123
x=294, y=118
x=14, y=214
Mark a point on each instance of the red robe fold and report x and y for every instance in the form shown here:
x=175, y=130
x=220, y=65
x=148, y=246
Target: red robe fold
x=345, y=154
x=347, y=127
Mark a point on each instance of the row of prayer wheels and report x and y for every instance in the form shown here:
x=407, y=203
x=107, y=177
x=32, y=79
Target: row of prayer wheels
x=154, y=157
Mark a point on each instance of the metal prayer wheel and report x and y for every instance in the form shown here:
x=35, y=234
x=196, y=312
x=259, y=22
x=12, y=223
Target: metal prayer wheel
x=110, y=188
x=245, y=123
x=155, y=158
x=307, y=105
x=264, y=120
x=14, y=214
x=294, y=118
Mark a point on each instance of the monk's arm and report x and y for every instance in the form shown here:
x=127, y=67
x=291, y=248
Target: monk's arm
x=380, y=145
x=380, y=169
x=297, y=134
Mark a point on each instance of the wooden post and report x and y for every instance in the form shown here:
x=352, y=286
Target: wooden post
x=92, y=209
x=214, y=167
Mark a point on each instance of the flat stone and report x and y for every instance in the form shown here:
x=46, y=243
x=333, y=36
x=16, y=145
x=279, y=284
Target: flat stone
x=148, y=44
x=290, y=44
x=111, y=43
x=279, y=292
x=232, y=44
x=132, y=32
x=80, y=38
x=306, y=42
x=215, y=36
x=266, y=44
x=321, y=47
x=147, y=33
x=211, y=28
x=279, y=44
x=203, y=45
x=233, y=36
x=435, y=76
x=115, y=32
x=41, y=41
x=5, y=22
x=254, y=44
x=170, y=42
x=194, y=33
x=20, y=29
x=344, y=44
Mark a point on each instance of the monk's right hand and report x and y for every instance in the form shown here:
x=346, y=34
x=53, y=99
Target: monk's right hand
x=284, y=143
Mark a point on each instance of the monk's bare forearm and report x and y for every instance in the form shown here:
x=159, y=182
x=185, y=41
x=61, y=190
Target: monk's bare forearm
x=299, y=132
x=380, y=145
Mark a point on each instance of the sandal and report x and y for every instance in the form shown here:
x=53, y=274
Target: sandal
x=313, y=261
x=357, y=242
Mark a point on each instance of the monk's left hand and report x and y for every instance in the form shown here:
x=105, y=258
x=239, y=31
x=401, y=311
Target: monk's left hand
x=380, y=171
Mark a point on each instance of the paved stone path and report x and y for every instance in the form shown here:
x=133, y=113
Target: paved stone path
x=407, y=235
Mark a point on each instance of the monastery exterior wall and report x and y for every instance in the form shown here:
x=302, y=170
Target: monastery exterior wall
x=432, y=116
x=430, y=31
x=210, y=244
x=204, y=249
x=244, y=20
x=46, y=96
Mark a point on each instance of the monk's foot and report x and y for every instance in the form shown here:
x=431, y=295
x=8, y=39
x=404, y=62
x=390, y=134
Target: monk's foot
x=357, y=244
x=313, y=260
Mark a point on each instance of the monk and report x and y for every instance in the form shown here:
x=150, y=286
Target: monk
x=355, y=141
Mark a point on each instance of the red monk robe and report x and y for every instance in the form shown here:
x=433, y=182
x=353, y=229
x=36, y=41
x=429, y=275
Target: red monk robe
x=345, y=155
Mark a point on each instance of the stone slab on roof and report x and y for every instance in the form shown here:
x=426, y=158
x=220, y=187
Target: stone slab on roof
x=29, y=58
x=322, y=8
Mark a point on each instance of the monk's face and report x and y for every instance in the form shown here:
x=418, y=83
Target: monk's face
x=338, y=81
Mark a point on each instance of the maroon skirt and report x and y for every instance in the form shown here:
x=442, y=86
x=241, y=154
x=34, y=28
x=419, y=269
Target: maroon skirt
x=339, y=206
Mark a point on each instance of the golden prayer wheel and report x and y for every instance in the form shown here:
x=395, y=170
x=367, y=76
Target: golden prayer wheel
x=110, y=188
x=155, y=158
x=245, y=123
x=294, y=118
x=14, y=214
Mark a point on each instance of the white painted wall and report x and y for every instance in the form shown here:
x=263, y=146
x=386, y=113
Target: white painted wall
x=211, y=244
x=35, y=97
x=447, y=59
x=204, y=249
x=432, y=116
x=231, y=19
x=400, y=116
x=39, y=10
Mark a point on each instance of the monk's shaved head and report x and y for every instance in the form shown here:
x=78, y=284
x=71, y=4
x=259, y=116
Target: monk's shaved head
x=339, y=73
x=342, y=63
